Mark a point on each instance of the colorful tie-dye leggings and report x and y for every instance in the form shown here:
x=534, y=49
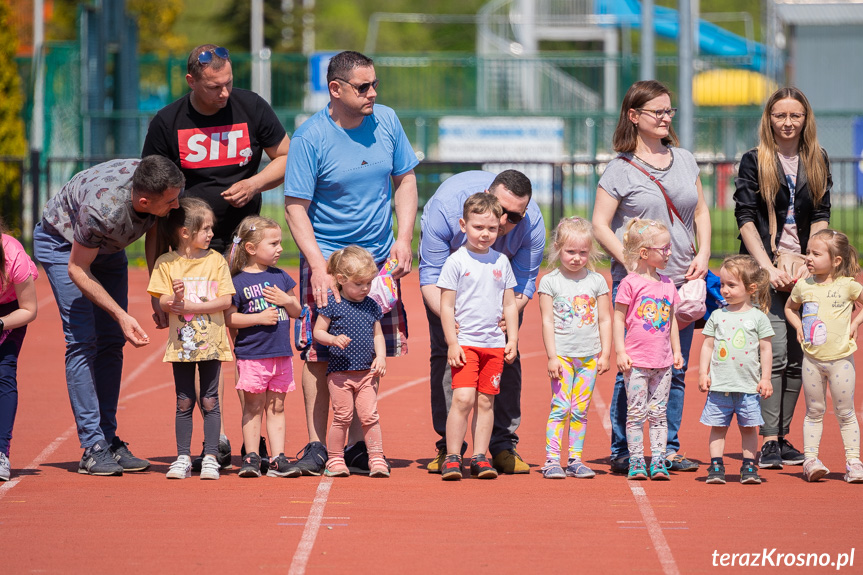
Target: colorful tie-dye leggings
x=839, y=375
x=570, y=399
x=647, y=399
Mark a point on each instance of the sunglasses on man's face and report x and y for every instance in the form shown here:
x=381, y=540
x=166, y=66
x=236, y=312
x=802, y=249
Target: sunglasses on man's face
x=205, y=58
x=362, y=88
x=513, y=217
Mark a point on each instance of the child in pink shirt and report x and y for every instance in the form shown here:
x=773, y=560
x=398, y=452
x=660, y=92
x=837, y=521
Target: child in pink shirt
x=647, y=342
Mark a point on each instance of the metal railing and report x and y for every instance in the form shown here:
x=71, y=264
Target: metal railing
x=561, y=189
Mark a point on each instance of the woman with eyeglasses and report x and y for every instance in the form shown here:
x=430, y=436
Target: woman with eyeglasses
x=782, y=199
x=653, y=179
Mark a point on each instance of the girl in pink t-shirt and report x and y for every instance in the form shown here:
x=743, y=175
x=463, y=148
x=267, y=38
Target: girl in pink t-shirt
x=647, y=342
x=17, y=309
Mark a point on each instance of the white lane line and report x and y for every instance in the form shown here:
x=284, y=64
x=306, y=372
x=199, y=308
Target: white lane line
x=54, y=445
x=310, y=533
x=304, y=549
x=660, y=544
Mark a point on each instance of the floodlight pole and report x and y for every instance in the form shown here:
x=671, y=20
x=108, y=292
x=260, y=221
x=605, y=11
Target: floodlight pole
x=648, y=41
x=37, y=128
x=260, y=54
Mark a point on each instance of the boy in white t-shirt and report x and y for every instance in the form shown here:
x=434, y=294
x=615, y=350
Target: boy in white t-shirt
x=476, y=293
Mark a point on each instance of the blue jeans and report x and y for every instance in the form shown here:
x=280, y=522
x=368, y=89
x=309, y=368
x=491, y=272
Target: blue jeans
x=674, y=413
x=94, y=341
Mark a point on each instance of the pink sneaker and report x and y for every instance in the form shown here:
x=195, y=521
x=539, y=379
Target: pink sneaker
x=378, y=466
x=336, y=468
x=813, y=470
x=854, y=471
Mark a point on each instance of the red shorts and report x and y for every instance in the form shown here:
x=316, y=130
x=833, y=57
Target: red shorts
x=481, y=369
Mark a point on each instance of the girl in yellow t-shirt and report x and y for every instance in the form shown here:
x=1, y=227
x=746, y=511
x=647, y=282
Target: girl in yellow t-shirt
x=194, y=288
x=820, y=310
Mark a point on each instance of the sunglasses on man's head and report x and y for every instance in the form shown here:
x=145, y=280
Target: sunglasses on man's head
x=362, y=88
x=205, y=58
x=513, y=217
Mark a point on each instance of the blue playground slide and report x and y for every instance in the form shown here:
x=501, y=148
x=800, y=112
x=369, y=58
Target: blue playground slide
x=711, y=38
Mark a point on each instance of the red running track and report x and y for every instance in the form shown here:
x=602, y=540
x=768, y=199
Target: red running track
x=53, y=520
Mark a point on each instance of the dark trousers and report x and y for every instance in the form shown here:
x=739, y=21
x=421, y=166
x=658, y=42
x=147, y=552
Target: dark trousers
x=9, y=350
x=507, y=404
x=184, y=382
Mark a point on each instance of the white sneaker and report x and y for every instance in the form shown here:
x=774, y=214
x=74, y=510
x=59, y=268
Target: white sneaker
x=853, y=471
x=180, y=469
x=813, y=469
x=5, y=467
x=209, y=467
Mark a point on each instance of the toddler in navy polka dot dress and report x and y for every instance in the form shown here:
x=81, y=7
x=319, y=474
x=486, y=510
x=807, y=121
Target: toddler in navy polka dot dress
x=350, y=324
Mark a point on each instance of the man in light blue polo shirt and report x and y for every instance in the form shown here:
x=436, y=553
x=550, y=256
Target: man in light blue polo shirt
x=338, y=193
x=522, y=240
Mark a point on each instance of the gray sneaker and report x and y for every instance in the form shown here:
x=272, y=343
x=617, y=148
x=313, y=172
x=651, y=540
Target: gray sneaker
x=124, y=457
x=313, y=459
x=98, y=460
x=5, y=467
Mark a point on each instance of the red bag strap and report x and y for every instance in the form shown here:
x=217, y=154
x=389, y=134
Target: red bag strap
x=672, y=211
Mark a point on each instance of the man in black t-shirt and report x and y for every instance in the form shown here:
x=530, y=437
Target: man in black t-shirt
x=217, y=135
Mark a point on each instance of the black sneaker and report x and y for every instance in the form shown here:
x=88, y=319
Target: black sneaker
x=620, y=465
x=313, y=459
x=224, y=456
x=251, y=466
x=481, y=468
x=124, y=457
x=749, y=474
x=357, y=458
x=789, y=455
x=716, y=473
x=451, y=470
x=771, y=457
x=198, y=461
x=265, y=457
x=280, y=466
x=98, y=460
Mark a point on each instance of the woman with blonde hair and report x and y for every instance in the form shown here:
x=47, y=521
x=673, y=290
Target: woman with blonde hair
x=782, y=199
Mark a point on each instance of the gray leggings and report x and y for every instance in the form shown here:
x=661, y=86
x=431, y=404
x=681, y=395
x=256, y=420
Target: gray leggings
x=184, y=382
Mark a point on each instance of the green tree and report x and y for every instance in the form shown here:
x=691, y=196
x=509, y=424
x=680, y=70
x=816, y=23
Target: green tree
x=12, y=140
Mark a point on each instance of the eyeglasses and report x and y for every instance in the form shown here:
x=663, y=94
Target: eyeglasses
x=205, y=58
x=658, y=114
x=513, y=217
x=664, y=250
x=362, y=88
x=795, y=117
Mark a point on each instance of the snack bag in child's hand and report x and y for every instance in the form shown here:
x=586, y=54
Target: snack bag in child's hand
x=384, y=290
x=303, y=329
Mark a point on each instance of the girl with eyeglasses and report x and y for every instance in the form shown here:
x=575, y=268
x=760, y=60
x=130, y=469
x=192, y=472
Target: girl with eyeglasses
x=647, y=342
x=782, y=199
x=648, y=148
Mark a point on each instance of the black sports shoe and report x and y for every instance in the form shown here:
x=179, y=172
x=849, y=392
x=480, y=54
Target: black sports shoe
x=198, y=461
x=251, y=466
x=749, y=474
x=98, y=460
x=716, y=473
x=280, y=466
x=771, y=457
x=313, y=459
x=789, y=455
x=265, y=458
x=481, y=468
x=357, y=458
x=224, y=455
x=620, y=465
x=121, y=454
x=451, y=470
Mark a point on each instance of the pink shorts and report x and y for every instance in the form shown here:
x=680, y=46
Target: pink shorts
x=269, y=374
